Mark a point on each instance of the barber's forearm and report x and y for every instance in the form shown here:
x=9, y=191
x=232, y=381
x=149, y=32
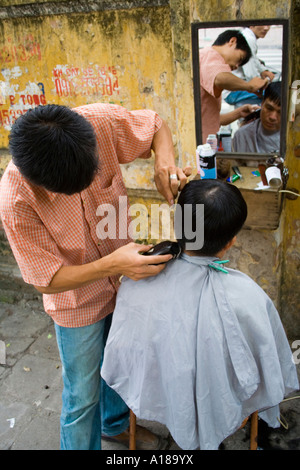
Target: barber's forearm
x=163, y=147
x=126, y=260
x=228, y=118
x=165, y=165
x=228, y=81
x=73, y=277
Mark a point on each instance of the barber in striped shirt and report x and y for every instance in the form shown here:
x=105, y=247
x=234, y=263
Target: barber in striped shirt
x=65, y=165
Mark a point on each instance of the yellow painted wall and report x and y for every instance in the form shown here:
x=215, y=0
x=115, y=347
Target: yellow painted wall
x=290, y=256
x=121, y=57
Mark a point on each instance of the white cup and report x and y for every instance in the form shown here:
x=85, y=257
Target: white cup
x=273, y=175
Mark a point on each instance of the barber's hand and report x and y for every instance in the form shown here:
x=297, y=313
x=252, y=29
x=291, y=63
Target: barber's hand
x=267, y=73
x=128, y=261
x=257, y=85
x=171, y=179
x=247, y=109
x=164, y=166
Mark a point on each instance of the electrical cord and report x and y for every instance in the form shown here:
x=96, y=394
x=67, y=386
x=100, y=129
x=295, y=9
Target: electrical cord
x=281, y=419
x=287, y=191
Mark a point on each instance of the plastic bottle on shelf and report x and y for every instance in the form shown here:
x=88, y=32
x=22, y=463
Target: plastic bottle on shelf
x=207, y=162
x=225, y=137
x=212, y=141
x=198, y=158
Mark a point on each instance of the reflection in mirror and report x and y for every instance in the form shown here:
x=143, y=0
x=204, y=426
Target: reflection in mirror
x=240, y=86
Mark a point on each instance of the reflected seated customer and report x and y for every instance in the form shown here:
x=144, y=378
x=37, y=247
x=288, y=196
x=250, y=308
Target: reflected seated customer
x=262, y=135
x=200, y=346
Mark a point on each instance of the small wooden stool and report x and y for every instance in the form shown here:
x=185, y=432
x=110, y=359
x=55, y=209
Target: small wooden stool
x=253, y=430
x=132, y=431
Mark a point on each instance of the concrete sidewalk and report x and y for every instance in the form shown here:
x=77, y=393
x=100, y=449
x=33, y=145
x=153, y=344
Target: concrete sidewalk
x=31, y=386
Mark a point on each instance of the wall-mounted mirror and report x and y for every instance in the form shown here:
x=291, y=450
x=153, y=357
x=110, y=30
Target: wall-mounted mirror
x=219, y=57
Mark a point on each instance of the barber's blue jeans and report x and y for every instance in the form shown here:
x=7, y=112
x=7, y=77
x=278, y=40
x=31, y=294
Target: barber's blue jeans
x=89, y=406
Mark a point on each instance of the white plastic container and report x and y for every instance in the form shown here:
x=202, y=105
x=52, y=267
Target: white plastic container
x=273, y=175
x=206, y=162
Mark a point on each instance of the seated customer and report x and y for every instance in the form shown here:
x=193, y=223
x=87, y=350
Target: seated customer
x=263, y=134
x=200, y=347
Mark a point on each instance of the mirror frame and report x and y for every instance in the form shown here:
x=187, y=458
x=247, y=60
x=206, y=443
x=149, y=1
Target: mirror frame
x=284, y=90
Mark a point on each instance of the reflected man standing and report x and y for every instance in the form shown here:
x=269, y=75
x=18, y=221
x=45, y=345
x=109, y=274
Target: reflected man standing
x=217, y=62
x=253, y=68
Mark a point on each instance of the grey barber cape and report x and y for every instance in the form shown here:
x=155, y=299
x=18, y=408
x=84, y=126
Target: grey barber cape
x=253, y=137
x=198, y=350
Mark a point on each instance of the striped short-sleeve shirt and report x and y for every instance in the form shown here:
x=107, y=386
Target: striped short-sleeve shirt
x=211, y=64
x=49, y=230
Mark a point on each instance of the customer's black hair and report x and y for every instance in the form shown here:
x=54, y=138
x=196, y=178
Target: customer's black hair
x=241, y=42
x=54, y=147
x=225, y=212
x=273, y=92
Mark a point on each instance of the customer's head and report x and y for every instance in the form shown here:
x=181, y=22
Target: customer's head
x=54, y=147
x=225, y=212
x=233, y=47
x=270, y=113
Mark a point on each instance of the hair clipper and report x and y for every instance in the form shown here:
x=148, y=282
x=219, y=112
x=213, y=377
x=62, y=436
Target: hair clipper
x=164, y=248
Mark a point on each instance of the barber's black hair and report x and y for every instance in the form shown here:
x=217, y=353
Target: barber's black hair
x=241, y=42
x=54, y=147
x=225, y=212
x=273, y=93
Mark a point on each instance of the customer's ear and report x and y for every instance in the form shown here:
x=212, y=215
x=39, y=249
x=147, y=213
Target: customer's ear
x=232, y=42
x=230, y=243
x=226, y=248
